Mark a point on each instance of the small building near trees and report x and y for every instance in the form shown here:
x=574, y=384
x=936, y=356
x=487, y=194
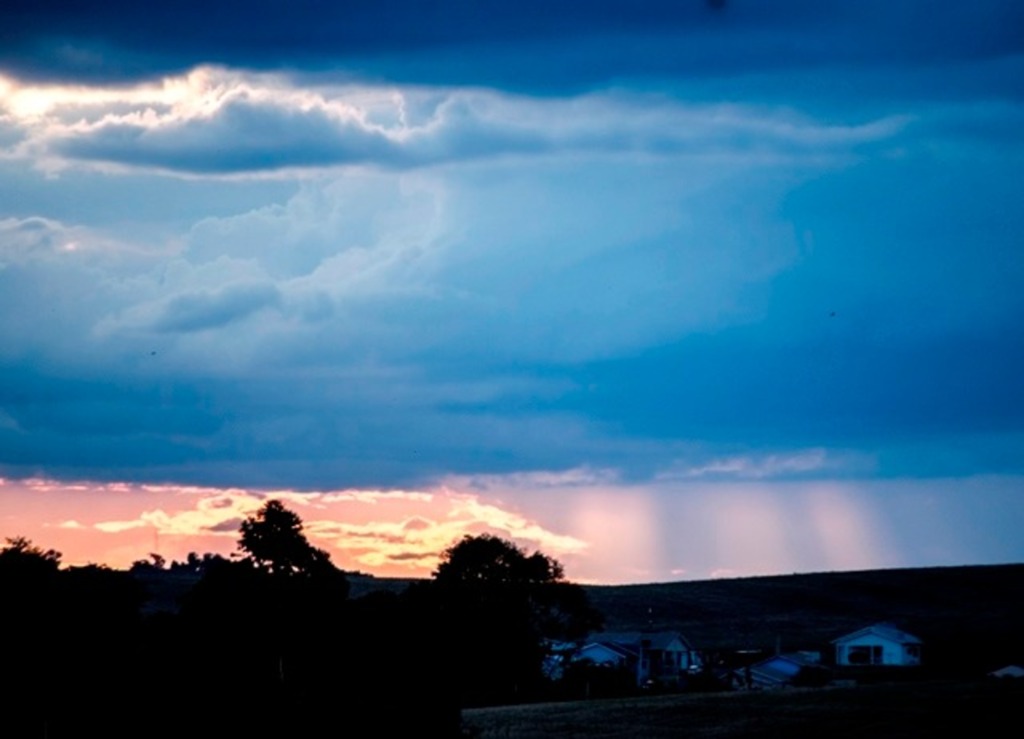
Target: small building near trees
x=793, y=669
x=661, y=658
x=878, y=644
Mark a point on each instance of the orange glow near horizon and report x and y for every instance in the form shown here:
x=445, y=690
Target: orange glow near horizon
x=388, y=533
x=602, y=530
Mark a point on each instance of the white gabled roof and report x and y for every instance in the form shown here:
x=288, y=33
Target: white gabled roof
x=883, y=630
x=1009, y=671
x=618, y=650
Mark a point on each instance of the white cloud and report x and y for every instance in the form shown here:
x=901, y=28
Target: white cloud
x=210, y=510
x=215, y=121
x=752, y=466
x=515, y=259
x=539, y=480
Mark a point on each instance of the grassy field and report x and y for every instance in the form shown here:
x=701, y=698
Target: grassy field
x=891, y=711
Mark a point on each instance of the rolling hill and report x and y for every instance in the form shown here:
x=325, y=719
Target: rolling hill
x=978, y=610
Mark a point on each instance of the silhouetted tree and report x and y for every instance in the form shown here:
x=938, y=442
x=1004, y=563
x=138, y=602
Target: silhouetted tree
x=71, y=647
x=273, y=540
x=155, y=563
x=284, y=600
x=21, y=555
x=490, y=560
x=501, y=607
x=489, y=567
x=196, y=565
x=82, y=660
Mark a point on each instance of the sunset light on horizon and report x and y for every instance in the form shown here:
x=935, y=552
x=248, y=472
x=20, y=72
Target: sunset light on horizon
x=601, y=533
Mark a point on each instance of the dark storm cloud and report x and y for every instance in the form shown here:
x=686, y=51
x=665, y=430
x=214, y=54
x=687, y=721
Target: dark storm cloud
x=41, y=401
x=81, y=427
x=289, y=129
x=242, y=137
x=836, y=390
x=531, y=44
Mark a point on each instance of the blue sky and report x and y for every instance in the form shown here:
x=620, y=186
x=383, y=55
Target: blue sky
x=571, y=260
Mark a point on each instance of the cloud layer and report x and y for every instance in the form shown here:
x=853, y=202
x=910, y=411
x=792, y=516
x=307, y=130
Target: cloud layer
x=535, y=45
x=214, y=121
x=350, y=245
x=451, y=298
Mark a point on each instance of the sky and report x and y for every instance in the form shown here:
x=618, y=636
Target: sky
x=667, y=290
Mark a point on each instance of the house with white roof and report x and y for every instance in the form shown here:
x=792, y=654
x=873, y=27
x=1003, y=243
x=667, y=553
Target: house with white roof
x=879, y=644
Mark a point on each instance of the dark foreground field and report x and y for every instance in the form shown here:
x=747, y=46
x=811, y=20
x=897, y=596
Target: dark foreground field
x=893, y=711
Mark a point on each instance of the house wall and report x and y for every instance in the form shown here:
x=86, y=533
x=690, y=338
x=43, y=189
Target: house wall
x=685, y=658
x=884, y=652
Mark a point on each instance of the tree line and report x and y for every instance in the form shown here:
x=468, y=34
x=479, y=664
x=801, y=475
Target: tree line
x=269, y=644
